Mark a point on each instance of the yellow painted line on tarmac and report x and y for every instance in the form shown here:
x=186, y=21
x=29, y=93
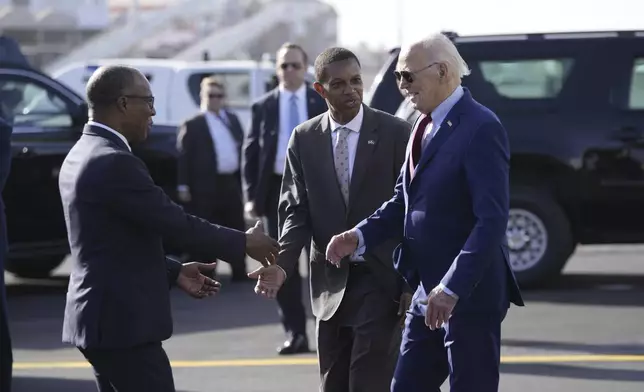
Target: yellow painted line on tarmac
x=309, y=361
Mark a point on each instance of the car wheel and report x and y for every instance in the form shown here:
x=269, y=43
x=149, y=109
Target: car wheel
x=539, y=237
x=34, y=268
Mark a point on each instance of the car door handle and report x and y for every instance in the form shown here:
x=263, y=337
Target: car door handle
x=629, y=134
x=26, y=152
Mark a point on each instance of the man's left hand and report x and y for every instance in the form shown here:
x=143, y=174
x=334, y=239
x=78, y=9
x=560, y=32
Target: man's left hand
x=403, y=307
x=439, y=308
x=193, y=280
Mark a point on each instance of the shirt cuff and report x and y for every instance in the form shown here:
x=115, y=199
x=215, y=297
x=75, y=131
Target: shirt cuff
x=282, y=271
x=447, y=291
x=183, y=188
x=361, y=247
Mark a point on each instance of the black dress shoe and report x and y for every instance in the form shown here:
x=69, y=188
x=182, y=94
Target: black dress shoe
x=298, y=344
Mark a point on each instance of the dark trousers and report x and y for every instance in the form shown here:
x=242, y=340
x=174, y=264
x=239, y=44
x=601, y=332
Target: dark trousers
x=225, y=209
x=289, y=297
x=358, y=347
x=473, y=355
x=6, y=357
x=137, y=369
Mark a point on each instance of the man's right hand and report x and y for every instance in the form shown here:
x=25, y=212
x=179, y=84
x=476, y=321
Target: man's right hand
x=341, y=245
x=269, y=280
x=261, y=247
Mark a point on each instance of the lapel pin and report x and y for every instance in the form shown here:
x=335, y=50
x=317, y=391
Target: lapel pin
x=371, y=142
x=449, y=123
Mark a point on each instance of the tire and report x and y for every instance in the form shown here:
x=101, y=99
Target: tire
x=539, y=237
x=34, y=268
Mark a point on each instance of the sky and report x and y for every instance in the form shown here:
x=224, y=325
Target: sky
x=374, y=22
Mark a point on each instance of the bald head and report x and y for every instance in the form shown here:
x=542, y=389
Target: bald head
x=120, y=97
x=428, y=71
x=108, y=83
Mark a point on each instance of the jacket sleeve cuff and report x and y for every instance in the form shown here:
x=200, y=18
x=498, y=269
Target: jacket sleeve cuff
x=173, y=268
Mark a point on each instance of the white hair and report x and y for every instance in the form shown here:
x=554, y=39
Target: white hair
x=440, y=48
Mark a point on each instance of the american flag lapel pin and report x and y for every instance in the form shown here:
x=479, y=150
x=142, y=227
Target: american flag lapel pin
x=449, y=123
x=371, y=142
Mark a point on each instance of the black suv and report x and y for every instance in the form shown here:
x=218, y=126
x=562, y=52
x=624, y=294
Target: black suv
x=573, y=105
x=48, y=119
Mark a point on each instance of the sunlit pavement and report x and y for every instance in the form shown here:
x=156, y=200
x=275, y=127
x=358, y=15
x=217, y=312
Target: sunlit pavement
x=583, y=334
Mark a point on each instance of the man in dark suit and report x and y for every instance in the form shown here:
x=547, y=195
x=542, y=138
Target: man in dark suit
x=274, y=116
x=209, y=180
x=6, y=357
x=340, y=166
x=450, y=209
x=118, y=304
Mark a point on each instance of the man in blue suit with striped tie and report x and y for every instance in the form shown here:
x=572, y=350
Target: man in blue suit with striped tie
x=449, y=212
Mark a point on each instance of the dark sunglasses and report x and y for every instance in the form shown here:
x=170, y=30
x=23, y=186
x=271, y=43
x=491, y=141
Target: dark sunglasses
x=285, y=66
x=216, y=95
x=409, y=75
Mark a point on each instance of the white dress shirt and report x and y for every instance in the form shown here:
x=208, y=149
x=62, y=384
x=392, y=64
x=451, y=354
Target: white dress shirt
x=105, y=127
x=224, y=143
x=285, y=130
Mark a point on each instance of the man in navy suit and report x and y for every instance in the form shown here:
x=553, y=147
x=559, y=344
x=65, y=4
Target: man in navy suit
x=118, y=304
x=449, y=212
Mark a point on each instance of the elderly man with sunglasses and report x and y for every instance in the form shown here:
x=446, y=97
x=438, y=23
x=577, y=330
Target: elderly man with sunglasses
x=274, y=116
x=449, y=211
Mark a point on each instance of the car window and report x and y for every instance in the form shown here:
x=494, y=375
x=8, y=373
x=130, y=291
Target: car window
x=32, y=105
x=636, y=95
x=237, y=87
x=526, y=79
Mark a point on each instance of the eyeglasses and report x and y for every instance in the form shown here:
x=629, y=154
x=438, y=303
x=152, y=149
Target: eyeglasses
x=216, y=95
x=149, y=99
x=295, y=66
x=409, y=75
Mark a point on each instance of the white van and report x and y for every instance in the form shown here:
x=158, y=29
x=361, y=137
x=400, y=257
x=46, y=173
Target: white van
x=175, y=84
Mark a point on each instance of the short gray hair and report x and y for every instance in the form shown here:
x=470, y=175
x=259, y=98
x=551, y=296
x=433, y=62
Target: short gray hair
x=442, y=49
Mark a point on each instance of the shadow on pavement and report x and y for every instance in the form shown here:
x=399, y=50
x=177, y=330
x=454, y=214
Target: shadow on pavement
x=36, y=311
x=608, y=349
x=591, y=289
x=573, y=372
x=47, y=384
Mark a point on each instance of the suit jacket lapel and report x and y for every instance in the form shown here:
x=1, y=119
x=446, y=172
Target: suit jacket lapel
x=324, y=155
x=367, y=141
x=273, y=114
x=235, y=128
x=311, y=106
x=207, y=138
x=447, y=128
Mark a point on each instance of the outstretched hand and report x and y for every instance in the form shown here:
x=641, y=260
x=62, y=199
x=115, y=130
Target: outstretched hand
x=261, y=247
x=269, y=280
x=193, y=280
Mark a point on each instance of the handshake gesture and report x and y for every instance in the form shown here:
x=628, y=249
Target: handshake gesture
x=264, y=249
x=270, y=277
x=261, y=247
